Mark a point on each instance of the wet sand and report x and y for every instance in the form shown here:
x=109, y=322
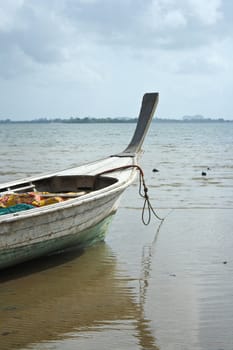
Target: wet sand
x=167, y=287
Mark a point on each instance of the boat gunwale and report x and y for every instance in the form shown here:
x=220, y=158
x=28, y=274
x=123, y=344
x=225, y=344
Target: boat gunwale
x=118, y=186
x=48, y=175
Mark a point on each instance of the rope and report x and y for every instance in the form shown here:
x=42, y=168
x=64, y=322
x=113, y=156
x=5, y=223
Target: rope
x=147, y=204
x=143, y=192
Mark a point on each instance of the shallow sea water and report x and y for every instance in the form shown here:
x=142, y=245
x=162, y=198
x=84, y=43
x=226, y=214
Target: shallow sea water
x=165, y=286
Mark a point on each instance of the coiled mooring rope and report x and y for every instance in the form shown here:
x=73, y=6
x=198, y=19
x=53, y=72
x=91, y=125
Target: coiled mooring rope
x=143, y=192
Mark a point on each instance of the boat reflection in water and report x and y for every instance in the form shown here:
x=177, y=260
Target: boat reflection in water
x=66, y=296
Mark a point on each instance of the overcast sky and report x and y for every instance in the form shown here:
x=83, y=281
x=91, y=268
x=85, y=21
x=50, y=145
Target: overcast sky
x=63, y=58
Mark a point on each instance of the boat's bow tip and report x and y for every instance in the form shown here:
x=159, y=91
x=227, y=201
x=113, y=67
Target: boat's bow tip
x=150, y=97
x=149, y=104
x=151, y=94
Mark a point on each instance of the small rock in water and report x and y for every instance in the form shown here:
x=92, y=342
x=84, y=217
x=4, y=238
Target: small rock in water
x=203, y=173
x=5, y=333
x=224, y=262
x=155, y=170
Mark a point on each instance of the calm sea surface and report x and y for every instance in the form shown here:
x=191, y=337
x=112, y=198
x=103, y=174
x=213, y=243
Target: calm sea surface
x=156, y=287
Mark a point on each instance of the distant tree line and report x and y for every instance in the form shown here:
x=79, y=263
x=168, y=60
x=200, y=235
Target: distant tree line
x=73, y=120
x=88, y=120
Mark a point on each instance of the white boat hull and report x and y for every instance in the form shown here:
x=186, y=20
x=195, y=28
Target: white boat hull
x=80, y=221
x=71, y=237
x=77, y=221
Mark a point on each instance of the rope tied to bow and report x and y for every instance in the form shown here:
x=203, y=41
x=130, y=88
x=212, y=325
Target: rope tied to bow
x=143, y=192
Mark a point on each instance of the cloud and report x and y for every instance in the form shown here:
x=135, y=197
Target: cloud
x=51, y=33
x=45, y=31
x=99, y=45
x=207, y=12
x=30, y=35
x=152, y=22
x=8, y=13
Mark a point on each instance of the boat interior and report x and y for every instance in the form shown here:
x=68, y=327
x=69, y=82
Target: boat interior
x=76, y=184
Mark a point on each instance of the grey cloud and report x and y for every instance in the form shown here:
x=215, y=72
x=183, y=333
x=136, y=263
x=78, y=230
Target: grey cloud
x=35, y=37
x=44, y=32
x=151, y=23
x=38, y=36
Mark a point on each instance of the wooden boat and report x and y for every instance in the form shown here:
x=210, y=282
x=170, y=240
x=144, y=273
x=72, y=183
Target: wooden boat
x=93, y=192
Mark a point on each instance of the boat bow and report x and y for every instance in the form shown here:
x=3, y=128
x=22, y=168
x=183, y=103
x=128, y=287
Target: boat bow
x=149, y=104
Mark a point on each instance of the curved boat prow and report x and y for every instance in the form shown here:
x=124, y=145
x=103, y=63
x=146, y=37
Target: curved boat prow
x=80, y=220
x=149, y=104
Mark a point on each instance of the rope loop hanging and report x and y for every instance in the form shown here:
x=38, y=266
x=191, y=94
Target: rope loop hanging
x=143, y=192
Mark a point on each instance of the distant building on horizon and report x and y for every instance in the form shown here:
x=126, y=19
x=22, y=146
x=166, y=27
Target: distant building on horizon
x=193, y=117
